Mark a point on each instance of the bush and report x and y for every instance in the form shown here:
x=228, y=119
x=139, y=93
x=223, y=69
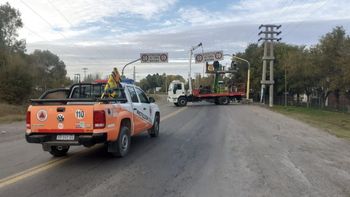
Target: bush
x=15, y=84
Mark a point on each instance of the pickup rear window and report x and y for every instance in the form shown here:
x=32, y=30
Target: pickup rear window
x=92, y=91
x=87, y=91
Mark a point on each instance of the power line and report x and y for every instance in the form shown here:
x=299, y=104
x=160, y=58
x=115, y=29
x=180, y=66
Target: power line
x=253, y=35
x=299, y=23
x=48, y=23
x=42, y=18
x=62, y=15
x=68, y=21
x=35, y=33
x=52, y=26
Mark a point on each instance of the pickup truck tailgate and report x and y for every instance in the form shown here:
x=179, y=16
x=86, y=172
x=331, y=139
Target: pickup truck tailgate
x=62, y=119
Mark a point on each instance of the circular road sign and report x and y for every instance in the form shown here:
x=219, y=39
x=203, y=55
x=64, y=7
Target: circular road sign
x=144, y=58
x=199, y=58
x=163, y=57
x=218, y=55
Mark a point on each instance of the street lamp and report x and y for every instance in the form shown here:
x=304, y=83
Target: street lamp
x=248, y=74
x=190, y=63
x=127, y=65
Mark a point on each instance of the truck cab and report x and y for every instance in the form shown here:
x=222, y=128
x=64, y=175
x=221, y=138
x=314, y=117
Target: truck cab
x=177, y=93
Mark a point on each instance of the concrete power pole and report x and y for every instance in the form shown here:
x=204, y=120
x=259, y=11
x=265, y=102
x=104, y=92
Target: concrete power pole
x=134, y=75
x=268, y=38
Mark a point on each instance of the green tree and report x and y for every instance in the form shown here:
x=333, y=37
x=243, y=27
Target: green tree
x=329, y=56
x=150, y=82
x=302, y=74
x=16, y=82
x=10, y=22
x=51, y=69
x=23, y=76
x=253, y=53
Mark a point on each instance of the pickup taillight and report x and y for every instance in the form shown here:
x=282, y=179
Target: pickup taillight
x=99, y=119
x=28, y=120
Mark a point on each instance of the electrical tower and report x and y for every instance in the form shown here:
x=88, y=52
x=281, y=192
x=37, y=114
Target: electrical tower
x=270, y=35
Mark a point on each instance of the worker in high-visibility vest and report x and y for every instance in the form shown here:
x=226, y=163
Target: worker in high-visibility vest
x=113, y=83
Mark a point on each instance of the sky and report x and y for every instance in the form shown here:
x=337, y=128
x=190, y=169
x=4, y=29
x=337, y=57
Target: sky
x=100, y=35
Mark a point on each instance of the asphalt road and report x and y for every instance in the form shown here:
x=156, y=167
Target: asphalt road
x=203, y=150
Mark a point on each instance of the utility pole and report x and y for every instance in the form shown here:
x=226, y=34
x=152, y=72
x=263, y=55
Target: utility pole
x=166, y=84
x=268, y=38
x=85, y=69
x=134, y=75
x=285, y=86
x=190, y=63
x=77, y=77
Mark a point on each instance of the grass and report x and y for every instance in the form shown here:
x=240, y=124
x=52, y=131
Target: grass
x=158, y=97
x=336, y=123
x=11, y=113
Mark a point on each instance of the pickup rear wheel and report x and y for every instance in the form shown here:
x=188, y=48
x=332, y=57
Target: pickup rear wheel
x=121, y=146
x=59, y=151
x=154, y=131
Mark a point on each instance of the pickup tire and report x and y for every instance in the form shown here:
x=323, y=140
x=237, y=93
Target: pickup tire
x=182, y=101
x=59, y=151
x=154, y=131
x=121, y=146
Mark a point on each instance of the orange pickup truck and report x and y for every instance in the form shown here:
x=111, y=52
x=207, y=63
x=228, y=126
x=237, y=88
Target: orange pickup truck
x=80, y=117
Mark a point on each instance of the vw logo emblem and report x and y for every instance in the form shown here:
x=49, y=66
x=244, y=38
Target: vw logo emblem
x=60, y=117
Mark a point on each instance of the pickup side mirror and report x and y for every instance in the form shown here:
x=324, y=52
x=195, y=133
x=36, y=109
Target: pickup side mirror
x=151, y=99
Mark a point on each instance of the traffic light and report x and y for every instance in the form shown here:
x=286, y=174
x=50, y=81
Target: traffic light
x=216, y=65
x=233, y=65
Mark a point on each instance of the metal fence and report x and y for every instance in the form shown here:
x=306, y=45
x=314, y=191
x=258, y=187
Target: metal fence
x=343, y=104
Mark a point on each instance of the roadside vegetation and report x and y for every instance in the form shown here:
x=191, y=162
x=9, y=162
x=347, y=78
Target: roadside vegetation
x=336, y=123
x=22, y=75
x=150, y=82
x=10, y=113
x=316, y=71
